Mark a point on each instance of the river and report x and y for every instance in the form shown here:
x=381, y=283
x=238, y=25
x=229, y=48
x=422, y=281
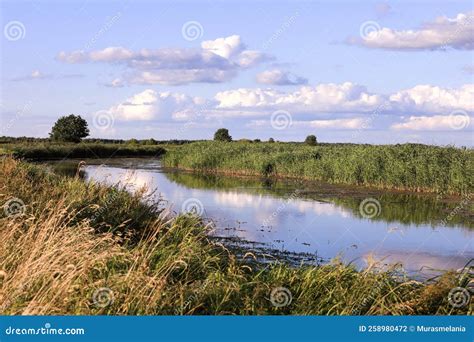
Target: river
x=420, y=232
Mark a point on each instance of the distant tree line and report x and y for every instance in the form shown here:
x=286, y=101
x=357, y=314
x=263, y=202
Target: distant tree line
x=22, y=140
x=73, y=129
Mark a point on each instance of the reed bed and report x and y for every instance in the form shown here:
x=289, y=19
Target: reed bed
x=412, y=167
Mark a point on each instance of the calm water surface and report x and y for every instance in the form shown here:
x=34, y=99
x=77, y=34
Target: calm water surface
x=321, y=219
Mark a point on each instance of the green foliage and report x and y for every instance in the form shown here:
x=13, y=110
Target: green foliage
x=222, y=134
x=149, y=142
x=40, y=151
x=271, y=140
x=409, y=166
x=71, y=128
x=311, y=140
x=267, y=169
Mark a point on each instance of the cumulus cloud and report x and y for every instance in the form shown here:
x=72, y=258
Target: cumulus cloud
x=224, y=47
x=345, y=106
x=431, y=99
x=441, y=33
x=215, y=61
x=152, y=105
x=434, y=123
x=350, y=98
x=321, y=98
x=280, y=77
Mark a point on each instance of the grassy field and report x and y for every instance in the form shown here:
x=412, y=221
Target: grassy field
x=409, y=167
x=48, y=150
x=70, y=247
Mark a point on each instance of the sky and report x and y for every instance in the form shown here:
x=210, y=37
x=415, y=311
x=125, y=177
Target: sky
x=345, y=71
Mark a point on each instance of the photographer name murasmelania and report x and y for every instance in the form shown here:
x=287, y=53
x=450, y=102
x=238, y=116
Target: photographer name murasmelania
x=449, y=328
x=44, y=331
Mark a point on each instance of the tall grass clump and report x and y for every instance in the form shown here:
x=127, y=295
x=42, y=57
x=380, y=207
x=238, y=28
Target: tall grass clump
x=412, y=167
x=56, y=260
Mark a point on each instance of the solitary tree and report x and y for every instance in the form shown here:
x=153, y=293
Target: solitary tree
x=271, y=140
x=222, y=134
x=311, y=140
x=71, y=128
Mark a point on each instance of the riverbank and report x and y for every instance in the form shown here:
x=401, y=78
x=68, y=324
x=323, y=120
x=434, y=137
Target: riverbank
x=411, y=167
x=70, y=247
x=51, y=151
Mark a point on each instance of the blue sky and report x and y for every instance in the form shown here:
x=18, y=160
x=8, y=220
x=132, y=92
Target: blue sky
x=371, y=71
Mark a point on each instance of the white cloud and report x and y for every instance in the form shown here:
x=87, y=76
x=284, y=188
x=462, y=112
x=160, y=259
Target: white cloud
x=434, y=123
x=443, y=32
x=224, y=47
x=350, y=98
x=152, y=105
x=280, y=77
x=355, y=123
x=37, y=74
x=216, y=61
x=250, y=58
x=176, y=77
x=113, y=54
x=73, y=57
x=321, y=98
x=115, y=83
x=431, y=99
x=324, y=106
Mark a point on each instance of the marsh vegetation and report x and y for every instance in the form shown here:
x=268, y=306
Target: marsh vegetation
x=74, y=238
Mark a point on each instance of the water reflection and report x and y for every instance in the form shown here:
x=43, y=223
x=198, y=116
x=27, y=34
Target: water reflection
x=324, y=220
